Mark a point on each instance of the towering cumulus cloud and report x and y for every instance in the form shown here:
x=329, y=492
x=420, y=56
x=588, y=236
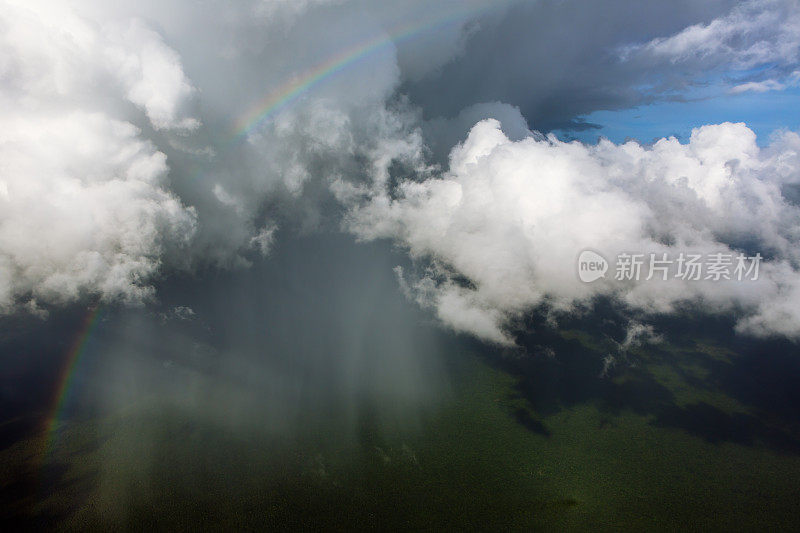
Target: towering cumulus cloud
x=83, y=203
x=503, y=227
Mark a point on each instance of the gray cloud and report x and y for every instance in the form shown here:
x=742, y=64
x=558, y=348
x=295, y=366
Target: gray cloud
x=122, y=157
x=560, y=61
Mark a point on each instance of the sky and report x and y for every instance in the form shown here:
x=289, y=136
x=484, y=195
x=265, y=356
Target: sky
x=766, y=113
x=414, y=169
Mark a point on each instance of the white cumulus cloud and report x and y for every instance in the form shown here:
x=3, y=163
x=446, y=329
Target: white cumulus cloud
x=84, y=204
x=501, y=230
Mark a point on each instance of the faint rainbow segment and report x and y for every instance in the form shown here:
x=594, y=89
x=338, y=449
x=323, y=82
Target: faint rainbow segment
x=289, y=91
x=65, y=377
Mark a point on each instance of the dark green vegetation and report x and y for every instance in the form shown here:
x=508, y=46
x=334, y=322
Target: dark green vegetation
x=698, y=433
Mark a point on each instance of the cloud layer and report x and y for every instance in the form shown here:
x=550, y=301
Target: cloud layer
x=131, y=148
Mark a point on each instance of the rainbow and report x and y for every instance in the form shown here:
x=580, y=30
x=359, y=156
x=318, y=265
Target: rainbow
x=66, y=375
x=281, y=97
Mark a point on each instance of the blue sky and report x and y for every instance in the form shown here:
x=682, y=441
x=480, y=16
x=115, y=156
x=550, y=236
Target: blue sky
x=763, y=112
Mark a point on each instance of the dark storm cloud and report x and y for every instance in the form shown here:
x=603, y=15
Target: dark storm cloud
x=557, y=61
